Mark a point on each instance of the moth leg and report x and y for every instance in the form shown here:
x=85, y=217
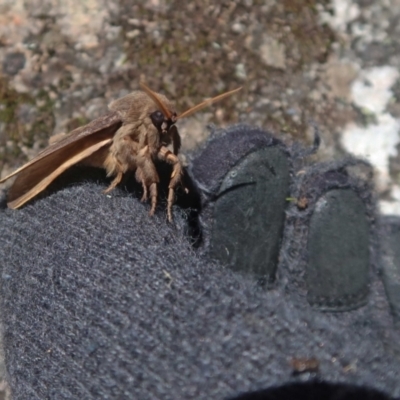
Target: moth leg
x=140, y=178
x=145, y=194
x=166, y=155
x=120, y=157
x=115, y=182
x=176, y=139
x=146, y=173
x=153, y=198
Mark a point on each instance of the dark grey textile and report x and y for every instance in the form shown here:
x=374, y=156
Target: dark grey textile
x=212, y=163
x=331, y=239
x=245, y=176
x=390, y=262
x=100, y=301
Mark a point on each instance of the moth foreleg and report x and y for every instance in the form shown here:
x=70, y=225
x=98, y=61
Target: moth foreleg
x=145, y=192
x=153, y=198
x=176, y=139
x=115, y=182
x=146, y=173
x=176, y=175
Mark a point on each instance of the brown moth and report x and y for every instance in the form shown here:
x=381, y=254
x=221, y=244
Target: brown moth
x=136, y=132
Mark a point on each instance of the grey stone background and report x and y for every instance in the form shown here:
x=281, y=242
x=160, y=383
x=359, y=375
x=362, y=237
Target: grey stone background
x=335, y=63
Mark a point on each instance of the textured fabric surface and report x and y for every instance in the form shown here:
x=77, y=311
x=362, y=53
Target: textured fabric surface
x=102, y=302
x=348, y=228
x=211, y=164
x=224, y=153
x=390, y=262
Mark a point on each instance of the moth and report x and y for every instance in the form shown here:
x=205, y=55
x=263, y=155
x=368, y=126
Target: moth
x=139, y=130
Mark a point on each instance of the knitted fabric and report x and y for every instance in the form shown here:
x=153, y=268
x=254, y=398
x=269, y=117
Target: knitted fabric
x=100, y=301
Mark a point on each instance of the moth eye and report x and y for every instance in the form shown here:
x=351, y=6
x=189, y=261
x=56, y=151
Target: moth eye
x=157, y=117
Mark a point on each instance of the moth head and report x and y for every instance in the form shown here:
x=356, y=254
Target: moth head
x=163, y=118
x=162, y=122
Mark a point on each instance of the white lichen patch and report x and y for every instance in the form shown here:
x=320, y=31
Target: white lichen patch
x=377, y=142
x=392, y=206
x=371, y=91
x=344, y=12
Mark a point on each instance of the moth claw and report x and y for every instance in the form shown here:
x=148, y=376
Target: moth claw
x=144, y=198
x=169, y=217
x=152, y=211
x=114, y=183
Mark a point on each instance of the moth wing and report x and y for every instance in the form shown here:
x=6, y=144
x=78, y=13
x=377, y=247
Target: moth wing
x=108, y=122
x=15, y=200
x=82, y=142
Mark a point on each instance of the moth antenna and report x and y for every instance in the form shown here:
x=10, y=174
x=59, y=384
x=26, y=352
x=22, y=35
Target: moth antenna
x=206, y=103
x=156, y=100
